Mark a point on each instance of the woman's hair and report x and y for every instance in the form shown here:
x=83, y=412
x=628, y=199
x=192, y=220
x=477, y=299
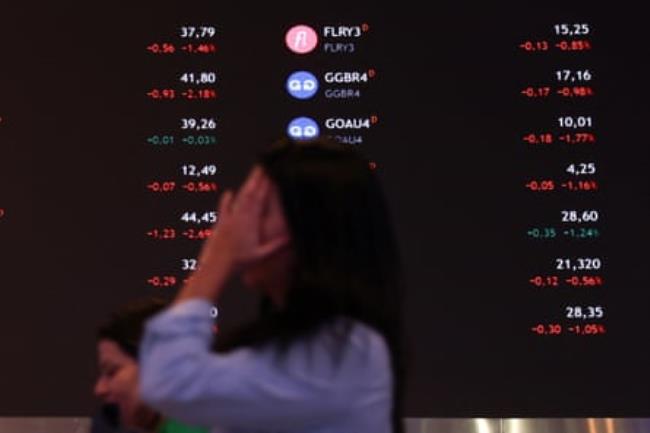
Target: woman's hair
x=347, y=263
x=125, y=326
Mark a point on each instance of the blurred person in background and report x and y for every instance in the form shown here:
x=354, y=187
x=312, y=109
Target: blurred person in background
x=117, y=385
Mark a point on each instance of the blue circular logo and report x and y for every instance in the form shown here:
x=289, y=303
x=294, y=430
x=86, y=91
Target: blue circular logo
x=303, y=128
x=302, y=85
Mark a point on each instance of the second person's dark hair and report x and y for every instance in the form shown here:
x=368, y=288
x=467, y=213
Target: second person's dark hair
x=125, y=326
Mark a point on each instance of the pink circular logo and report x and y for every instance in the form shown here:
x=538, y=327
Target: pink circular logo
x=301, y=39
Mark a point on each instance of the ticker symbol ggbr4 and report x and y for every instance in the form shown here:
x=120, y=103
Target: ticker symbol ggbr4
x=301, y=39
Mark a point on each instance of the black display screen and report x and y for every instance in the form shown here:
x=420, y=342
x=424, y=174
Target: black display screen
x=510, y=141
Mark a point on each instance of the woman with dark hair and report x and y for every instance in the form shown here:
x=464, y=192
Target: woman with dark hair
x=310, y=230
x=118, y=339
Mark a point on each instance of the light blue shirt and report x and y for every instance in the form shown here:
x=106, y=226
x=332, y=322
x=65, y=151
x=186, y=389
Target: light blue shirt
x=254, y=390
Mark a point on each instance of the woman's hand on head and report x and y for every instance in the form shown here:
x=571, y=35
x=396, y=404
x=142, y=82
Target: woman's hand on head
x=236, y=240
x=237, y=236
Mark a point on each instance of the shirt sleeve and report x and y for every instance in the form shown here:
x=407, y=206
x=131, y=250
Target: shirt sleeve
x=250, y=388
